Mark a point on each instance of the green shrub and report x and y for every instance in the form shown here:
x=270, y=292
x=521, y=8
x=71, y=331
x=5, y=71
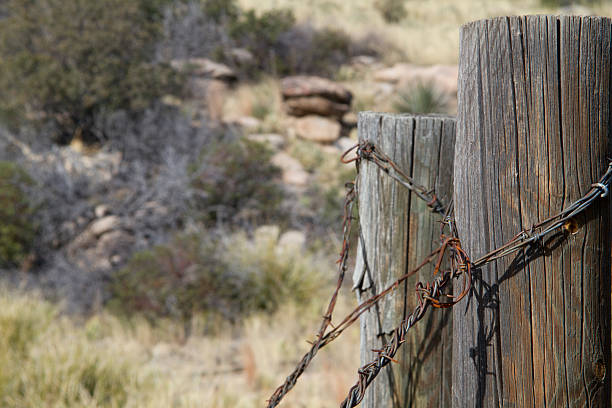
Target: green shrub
x=17, y=230
x=221, y=11
x=392, y=11
x=260, y=35
x=176, y=280
x=421, y=98
x=330, y=49
x=238, y=183
x=230, y=276
x=66, y=62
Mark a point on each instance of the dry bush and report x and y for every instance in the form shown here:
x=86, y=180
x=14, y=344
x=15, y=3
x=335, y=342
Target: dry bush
x=237, y=184
x=230, y=276
x=278, y=45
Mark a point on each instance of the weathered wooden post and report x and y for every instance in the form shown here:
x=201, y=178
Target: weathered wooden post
x=533, y=133
x=398, y=230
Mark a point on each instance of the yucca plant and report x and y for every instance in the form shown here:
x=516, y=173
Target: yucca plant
x=422, y=97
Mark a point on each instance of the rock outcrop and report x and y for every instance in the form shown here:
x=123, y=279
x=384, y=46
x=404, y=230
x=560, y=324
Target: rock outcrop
x=208, y=83
x=105, y=242
x=304, y=95
x=318, y=104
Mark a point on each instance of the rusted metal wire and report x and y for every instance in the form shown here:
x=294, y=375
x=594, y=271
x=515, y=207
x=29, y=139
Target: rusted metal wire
x=366, y=150
x=428, y=294
x=322, y=338
x=552, y=224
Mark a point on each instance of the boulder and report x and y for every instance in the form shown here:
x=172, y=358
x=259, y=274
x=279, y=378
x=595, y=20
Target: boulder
x=103, y=225
x=98, y=167
x=350, y=120
x=102, y=245
x=241, y=56
x=317, y=129
x=292, y=170
x=203, y=67
x=101, y=210
x=306, y=86
x=317, y=105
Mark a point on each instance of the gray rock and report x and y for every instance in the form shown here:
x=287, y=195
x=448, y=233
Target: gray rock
x=104, y=225
x=242, y=56
x=101, y=210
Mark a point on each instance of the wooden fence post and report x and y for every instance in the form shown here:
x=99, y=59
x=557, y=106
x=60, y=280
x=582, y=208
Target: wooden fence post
x=533, y=133
x=398, y=230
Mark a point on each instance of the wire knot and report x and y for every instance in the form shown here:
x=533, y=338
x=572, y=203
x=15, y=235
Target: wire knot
x=602, y=187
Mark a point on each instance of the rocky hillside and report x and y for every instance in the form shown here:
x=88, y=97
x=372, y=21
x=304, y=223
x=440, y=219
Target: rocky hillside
x=231, y=117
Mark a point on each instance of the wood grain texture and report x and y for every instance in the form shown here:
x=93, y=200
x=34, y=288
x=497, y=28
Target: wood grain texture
x=398, y=231
x=533, y=133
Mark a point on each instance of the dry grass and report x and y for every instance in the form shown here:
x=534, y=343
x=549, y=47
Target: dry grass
x=261, y=100
x=429, y=34
x=48, y=360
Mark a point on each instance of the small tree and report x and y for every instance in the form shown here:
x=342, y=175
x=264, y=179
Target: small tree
x=67, y=61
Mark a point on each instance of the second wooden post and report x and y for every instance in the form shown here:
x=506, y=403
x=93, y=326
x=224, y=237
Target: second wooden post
x=397, y=231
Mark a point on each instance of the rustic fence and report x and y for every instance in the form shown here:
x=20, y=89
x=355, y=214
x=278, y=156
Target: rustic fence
x=530, y=318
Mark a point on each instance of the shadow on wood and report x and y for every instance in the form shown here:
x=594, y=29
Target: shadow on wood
x=533, y=133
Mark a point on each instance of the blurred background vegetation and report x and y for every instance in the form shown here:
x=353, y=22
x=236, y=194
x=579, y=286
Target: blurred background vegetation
x=170, y=189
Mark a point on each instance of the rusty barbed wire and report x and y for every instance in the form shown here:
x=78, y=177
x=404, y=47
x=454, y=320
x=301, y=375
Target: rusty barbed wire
x=321, y=338
x=427, y=294
x=552, y=224
x=367, y=150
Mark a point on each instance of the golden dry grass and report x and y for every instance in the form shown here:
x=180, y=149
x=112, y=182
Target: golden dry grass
x=49, y=361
